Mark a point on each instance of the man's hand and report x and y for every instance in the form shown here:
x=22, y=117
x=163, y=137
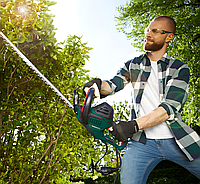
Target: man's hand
x=124, y=130
x=96, y=84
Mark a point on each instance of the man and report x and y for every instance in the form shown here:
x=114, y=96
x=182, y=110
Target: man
x=156, y=131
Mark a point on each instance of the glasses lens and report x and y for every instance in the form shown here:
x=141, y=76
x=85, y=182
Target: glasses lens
x=153, y=31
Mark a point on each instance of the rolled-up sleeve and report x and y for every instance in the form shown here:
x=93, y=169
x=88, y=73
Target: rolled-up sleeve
x=176, y=91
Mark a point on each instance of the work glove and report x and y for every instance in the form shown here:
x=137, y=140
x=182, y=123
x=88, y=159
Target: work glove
x=96, y=84
x=124, y=129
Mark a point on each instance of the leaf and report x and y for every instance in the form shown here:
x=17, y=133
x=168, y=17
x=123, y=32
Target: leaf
x=50, y=3
x=22, y=39
x=29, y=127
x=39, y=24
x=40, y=93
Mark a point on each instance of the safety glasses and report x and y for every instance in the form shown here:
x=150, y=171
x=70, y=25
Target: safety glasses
x=155, y=31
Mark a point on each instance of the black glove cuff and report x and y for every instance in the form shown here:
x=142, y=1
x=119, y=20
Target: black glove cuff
x=134, y=122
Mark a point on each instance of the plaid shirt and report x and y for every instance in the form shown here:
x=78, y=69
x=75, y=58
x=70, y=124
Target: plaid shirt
x=173, y=77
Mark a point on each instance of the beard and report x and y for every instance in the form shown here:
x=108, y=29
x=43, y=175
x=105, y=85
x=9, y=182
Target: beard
x=153, y=46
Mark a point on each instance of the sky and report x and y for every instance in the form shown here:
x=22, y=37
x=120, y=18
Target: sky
x=94, y=21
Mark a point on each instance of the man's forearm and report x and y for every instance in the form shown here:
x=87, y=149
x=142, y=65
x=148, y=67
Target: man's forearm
x=153, y=118
x=105, y=88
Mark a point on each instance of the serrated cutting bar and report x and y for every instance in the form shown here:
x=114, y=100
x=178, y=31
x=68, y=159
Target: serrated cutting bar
x=35, y=70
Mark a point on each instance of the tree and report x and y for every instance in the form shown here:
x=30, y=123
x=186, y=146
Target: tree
x=136, y=15
x=41, y=140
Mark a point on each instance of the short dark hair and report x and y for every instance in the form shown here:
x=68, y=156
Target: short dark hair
x=170, y=20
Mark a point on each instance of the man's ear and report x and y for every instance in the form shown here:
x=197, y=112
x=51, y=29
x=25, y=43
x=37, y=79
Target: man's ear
x=169, y=37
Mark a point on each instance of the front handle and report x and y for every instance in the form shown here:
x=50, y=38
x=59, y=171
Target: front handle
x=87, y=105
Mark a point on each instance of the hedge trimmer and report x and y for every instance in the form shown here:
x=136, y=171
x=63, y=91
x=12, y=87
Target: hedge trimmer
x=95, y=119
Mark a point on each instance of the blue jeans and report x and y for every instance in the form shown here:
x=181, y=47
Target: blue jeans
x=140, y=159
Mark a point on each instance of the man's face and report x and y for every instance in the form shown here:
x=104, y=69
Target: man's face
x=155, y=42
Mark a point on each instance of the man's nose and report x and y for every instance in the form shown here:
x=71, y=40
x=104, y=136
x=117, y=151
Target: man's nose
x=148, y=35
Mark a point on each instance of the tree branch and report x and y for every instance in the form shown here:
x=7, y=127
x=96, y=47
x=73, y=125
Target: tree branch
x=1, y=115
x=54, y=146
x=48, y=150
x=40, y=159
x=6, y=126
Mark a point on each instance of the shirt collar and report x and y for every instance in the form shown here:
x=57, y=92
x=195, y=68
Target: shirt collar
x=164, y=59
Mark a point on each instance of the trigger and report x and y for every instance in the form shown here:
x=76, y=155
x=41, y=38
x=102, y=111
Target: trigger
x=110, y=129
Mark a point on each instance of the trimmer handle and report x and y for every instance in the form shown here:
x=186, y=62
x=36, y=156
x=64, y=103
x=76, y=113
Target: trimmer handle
x=85, y=108
x=87, y=105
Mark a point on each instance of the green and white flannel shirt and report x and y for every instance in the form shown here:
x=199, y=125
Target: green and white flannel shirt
x=173, y=76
